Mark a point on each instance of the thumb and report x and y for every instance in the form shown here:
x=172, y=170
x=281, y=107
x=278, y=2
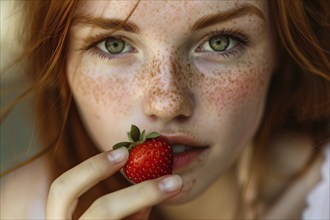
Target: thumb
x=141, y=215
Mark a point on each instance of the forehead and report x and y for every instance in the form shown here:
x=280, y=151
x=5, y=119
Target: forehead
x=164, y=12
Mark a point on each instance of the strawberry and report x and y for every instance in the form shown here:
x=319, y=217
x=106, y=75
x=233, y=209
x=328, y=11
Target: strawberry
x=150, y=156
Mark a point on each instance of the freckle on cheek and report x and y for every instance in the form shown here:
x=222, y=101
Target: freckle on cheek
x=101, y=93
x=229, y=91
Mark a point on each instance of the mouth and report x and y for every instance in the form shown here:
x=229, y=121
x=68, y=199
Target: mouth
x=178, y=148
x=186, y=150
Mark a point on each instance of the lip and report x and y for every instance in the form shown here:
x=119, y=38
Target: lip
x=185, y=159
x=183, y=139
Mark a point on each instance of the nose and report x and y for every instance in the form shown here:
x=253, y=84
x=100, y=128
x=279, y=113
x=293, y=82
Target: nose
x=167, y=96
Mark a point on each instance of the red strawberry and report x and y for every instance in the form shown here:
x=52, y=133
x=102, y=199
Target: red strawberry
x=150, y=156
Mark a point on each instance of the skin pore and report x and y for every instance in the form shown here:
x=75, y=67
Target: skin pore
x=168, y=79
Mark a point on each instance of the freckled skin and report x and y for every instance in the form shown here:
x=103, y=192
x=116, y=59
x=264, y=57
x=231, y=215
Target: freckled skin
x=167, y=86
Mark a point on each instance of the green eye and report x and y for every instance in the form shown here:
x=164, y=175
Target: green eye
x=224, y=43
x=114, y=45
x=219, y=43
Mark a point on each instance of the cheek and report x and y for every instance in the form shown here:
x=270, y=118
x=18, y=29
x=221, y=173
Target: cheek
x=229, y=88
x=103, y=99
x=233, y=88
x=103, y=94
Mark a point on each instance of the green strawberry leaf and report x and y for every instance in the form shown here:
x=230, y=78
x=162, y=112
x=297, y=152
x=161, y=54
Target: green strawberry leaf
x=143, y=136
x=129, y=137
x=121, y=144
x=152, y=135
x=135, y=133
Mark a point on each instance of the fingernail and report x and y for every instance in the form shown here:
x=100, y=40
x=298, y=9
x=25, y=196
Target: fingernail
x=170, y=184
x=118, y=155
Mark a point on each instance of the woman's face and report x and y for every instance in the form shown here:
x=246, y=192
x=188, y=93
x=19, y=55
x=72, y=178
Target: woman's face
x=196, y=71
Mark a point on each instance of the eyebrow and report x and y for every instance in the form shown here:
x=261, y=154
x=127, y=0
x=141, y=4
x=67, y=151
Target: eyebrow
x=106, y=23
x=243, y=10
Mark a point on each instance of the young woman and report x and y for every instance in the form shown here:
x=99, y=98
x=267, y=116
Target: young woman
x=244, y=84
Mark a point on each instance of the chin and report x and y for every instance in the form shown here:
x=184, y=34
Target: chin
x=190, y=190
x=180, y=199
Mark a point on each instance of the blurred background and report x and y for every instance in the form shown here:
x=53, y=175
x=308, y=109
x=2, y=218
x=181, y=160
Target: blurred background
x=18, y=136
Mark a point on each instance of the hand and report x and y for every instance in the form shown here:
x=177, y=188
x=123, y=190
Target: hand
x=66, y=189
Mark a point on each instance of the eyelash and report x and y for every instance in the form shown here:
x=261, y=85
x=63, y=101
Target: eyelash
x=238, y=36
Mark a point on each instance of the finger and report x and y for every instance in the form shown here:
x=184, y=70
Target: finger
x=67, y=188
x=140, y=215
x=130, y=200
